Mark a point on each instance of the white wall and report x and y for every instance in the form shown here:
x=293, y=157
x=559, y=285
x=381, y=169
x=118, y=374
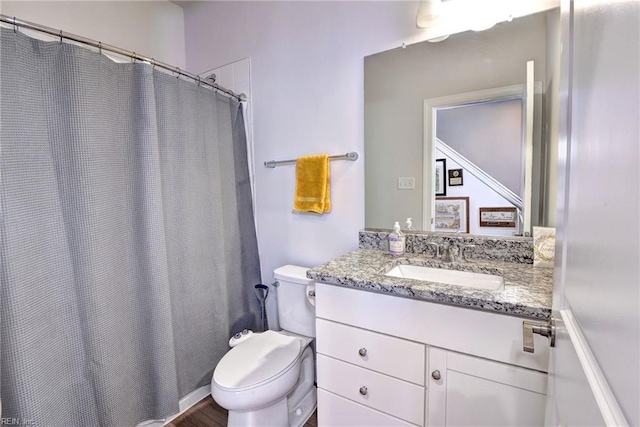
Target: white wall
x=307, y=78
x=151, y=28
x=236, y=76
x=307, y=94
x=600, y=230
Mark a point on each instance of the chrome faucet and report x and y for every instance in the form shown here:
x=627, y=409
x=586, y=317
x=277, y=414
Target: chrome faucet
x=437, y=250
x=448, y=252
x=452, y=252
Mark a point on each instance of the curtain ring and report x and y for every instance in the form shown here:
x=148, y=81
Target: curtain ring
x=198, y=80
x=133, y=58
x=60, y=36
x=15, y=26
x=178, y=72
x=100, y=48
x=153, y=63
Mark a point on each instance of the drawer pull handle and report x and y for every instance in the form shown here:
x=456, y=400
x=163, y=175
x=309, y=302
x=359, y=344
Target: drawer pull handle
x=362, y=352
x=363, y=390
x=436, y=375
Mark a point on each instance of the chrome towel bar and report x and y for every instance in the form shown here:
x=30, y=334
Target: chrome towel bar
x=352, y=156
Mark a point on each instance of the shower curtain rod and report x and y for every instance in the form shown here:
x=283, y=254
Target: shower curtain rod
x=103, y=46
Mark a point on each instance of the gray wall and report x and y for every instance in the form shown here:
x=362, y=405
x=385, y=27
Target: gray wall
x=398, y=81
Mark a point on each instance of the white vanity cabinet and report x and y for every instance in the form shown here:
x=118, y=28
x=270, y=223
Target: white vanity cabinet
x=378, y=354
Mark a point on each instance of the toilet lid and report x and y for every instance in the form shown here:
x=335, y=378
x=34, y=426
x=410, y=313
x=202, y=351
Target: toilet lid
x=256, y=360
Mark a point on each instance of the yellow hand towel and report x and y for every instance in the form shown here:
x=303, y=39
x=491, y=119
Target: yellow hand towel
x=313, y=188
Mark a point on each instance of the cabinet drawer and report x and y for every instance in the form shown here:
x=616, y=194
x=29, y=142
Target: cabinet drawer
x=389, y=395
x=388, y=355
x=336, y=411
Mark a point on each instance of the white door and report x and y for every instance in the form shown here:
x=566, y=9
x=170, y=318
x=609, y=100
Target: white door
x=594, y=372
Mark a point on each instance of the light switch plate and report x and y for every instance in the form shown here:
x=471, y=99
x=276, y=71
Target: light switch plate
x=406, y=183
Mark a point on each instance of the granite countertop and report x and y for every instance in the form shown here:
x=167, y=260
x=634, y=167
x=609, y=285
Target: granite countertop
x=527, y=290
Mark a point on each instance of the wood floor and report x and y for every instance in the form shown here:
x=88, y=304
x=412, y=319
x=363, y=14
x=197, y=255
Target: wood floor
x=207, y=413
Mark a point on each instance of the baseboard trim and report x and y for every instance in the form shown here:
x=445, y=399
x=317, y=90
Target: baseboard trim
x=607, y=403
x=189, y=400
x=185, y=403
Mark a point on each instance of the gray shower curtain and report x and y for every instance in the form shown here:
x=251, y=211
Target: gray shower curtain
x=128, y=248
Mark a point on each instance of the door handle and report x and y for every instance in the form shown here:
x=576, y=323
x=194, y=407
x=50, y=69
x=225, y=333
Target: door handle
x=545, y=329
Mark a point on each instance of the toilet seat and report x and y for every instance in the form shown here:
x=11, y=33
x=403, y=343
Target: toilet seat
x=259, y=360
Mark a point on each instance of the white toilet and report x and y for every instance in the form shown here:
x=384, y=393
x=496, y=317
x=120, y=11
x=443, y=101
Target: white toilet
x=268, y=380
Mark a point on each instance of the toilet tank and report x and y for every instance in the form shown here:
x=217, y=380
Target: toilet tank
x=296, y=310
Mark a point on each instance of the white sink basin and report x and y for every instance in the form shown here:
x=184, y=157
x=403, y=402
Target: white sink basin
x=468, y=279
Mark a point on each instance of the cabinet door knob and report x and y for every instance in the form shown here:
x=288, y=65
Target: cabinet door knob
x=363, y=390
x=362, y=352
x=436, y=375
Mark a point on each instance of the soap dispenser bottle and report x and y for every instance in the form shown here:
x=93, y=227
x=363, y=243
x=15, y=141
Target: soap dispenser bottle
x=396, y=240
x=409, y=224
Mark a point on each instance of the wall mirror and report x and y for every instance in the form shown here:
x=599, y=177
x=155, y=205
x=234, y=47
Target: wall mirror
x=460, y=135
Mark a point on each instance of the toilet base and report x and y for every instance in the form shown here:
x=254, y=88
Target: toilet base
x=304, y=409
x=275, y=415
x=303, y=399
